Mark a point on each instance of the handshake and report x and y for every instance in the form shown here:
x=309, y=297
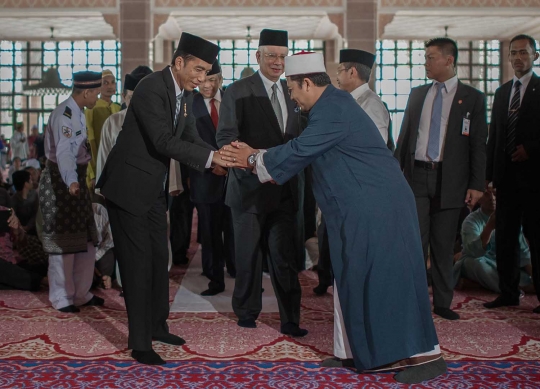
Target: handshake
x=234, y=155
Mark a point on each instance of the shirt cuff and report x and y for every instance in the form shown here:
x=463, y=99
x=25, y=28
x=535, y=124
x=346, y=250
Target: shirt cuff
x=209, y=162
x=260, y=169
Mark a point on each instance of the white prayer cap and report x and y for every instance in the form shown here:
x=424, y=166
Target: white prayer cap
x=304, y=63
x=32, y=163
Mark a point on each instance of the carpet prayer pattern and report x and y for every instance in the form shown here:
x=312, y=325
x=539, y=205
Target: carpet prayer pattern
x=250, y=375
x=43, y=348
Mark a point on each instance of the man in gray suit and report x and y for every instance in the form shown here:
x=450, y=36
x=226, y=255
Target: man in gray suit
x=258, y=110
x=442, y=151
x=353, y=75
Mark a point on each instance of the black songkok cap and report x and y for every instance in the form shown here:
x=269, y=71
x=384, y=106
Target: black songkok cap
x=132, y=79
x=142, y=69
x=274, y=38
x=357, y=56
x=198, y=47
x=87, y=80
x=215, y=69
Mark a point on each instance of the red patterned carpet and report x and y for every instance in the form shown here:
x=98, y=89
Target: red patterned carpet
x=43, y=348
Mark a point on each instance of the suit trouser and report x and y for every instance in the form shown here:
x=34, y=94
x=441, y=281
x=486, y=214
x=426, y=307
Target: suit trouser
x=324, y=266
x=516, y=207
x=211, y=232
x=140, y=244
x=70, y=278
x=438, y=231
x=181, y=219
x=279, y=229
x=228, y=241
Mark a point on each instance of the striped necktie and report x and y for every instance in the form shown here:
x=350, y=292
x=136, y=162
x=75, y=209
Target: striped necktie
x=178, y=106
x=513, y=114
x=277, y=107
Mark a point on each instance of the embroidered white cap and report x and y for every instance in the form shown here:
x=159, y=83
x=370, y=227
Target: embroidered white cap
x=304, y=62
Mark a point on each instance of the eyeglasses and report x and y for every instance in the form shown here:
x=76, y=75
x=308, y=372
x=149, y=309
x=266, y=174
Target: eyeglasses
x=272, y=57
x=340, y=70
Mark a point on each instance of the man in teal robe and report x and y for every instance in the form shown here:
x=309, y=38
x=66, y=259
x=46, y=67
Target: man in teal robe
x=373, y=230
x=478, y=261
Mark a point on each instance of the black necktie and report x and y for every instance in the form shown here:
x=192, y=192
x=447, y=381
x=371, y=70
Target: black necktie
x=513, y=114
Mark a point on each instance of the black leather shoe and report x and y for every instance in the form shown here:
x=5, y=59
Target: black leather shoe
x=445, y=313
x=70, y=309
x=501, y=302
x=337, y=362
x=95, y=301
x=293, y=330
x=212, y=291
x=181, y=261
x=320, y=289
x=247, y=323
x=169, y=339
x=147, y=357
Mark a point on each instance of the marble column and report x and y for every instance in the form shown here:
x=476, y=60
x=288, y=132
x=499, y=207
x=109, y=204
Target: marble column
x=507, y=73
x=135, y=33
x=361, y=27
x=361, y=20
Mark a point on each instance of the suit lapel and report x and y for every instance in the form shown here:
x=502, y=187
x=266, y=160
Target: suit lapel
x=201, y=111
x=530, y=91
x=171, y=92
x=261, y=95
x=183, y=112
x=291, y=114
x=506, y=91
x=455, y=119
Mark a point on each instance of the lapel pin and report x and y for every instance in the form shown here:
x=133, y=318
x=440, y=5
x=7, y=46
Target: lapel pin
x=460, y=101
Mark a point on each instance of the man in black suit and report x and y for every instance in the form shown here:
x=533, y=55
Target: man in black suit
x=258, y=110
x=513, y=163
x=159, y=125
x=442, y=151
x=207, y=189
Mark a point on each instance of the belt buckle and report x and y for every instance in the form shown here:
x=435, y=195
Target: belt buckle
x=430, y=165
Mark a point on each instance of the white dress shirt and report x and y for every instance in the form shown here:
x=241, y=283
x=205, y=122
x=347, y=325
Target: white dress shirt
x=374, y=107
x=109, y=132
x=524, y=83
x=179, y=92
x=448, y=93
x=280, y=94
x=217, y=103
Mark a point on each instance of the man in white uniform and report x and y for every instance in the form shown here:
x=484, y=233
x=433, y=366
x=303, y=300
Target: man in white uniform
x=69, y=230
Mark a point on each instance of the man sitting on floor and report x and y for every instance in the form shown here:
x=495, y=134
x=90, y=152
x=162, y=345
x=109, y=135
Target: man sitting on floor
x=478, y=262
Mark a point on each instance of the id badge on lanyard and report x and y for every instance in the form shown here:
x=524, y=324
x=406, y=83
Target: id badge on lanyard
x=465, y=128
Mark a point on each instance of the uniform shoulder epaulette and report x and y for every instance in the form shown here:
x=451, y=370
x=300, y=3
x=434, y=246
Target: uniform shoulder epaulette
x=67, y=112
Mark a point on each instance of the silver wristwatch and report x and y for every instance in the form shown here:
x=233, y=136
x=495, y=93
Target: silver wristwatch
x=251, y=159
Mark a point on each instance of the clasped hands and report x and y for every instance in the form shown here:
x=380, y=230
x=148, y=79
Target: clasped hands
x=234, y=155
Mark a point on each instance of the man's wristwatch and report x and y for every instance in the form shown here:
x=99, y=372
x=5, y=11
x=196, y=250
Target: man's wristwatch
x=251, y=159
